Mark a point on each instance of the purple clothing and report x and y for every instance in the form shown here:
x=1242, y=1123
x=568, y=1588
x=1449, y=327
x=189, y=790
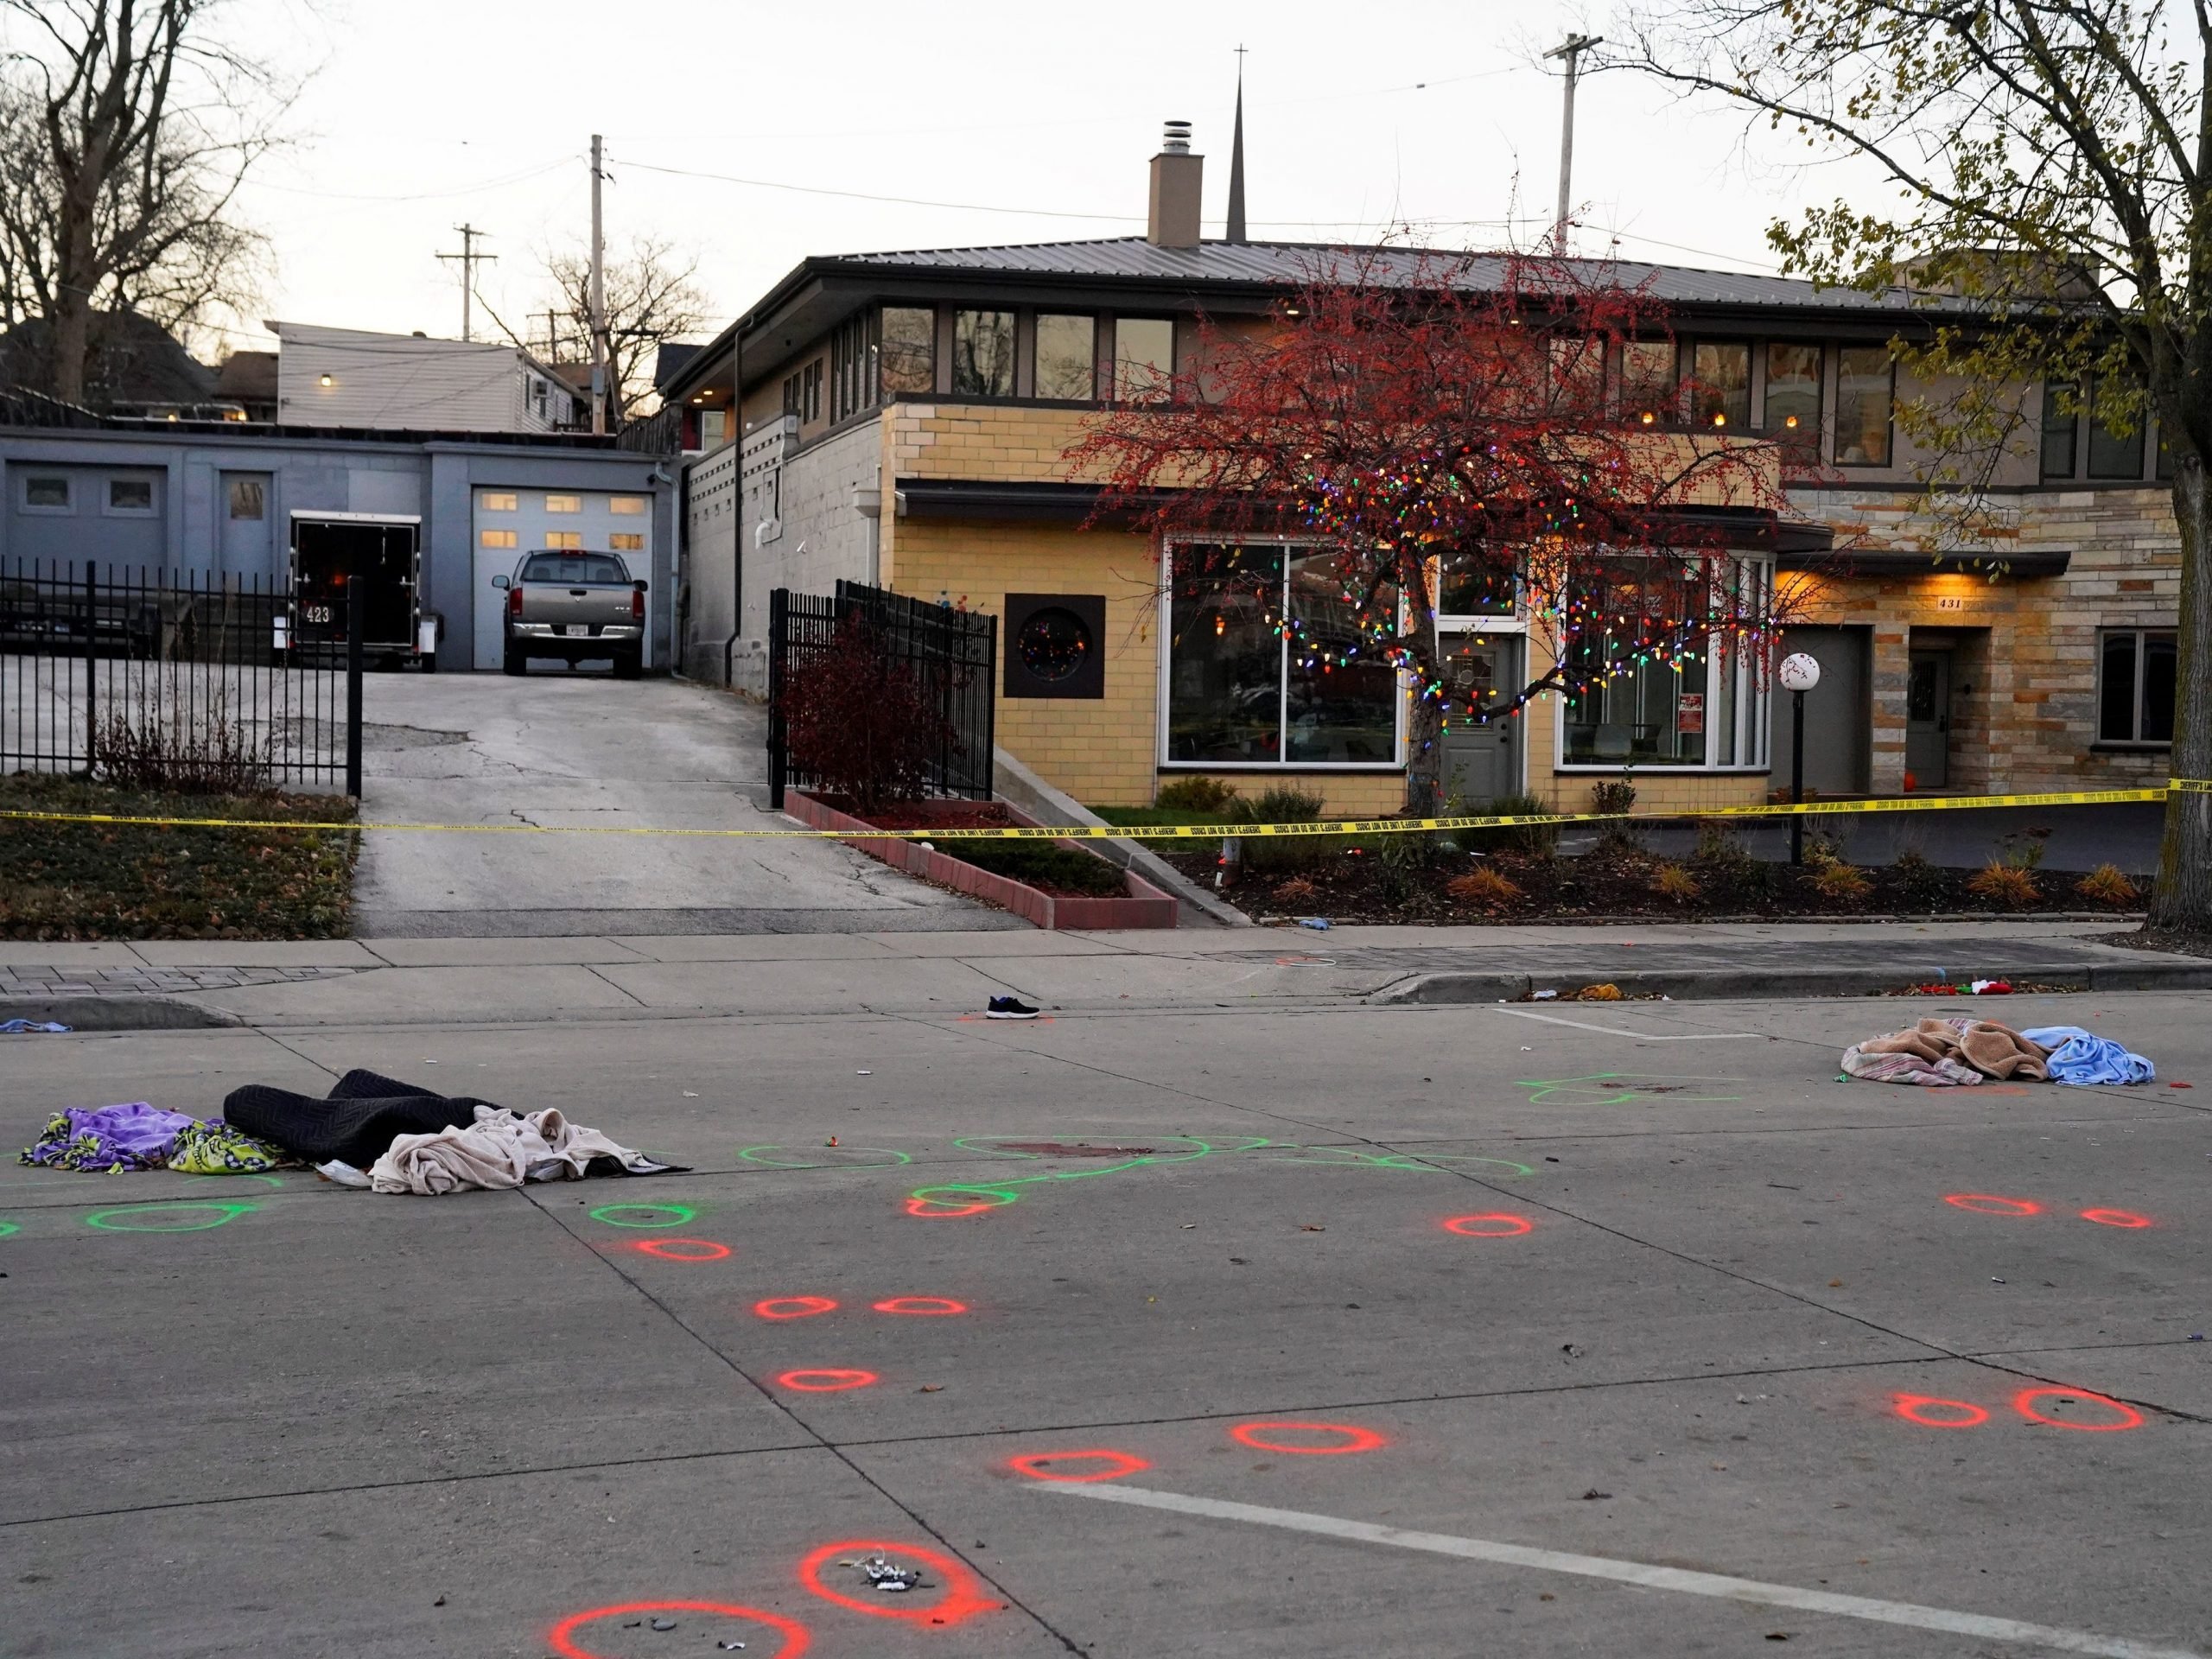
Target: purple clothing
x=135, y=1136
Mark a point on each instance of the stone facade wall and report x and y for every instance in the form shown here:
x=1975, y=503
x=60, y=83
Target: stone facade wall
x=2027, y=648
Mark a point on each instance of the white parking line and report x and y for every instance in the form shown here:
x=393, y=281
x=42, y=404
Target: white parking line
x=1642, y=1036
x=1978, y=1625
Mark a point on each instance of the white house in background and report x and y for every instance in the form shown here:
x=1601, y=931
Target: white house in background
x=351, y=378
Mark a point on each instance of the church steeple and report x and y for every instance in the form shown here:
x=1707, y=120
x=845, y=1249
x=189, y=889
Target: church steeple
x=1237, y=160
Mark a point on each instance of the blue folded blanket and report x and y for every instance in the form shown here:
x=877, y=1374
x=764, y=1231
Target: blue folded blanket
x=2083, y=1057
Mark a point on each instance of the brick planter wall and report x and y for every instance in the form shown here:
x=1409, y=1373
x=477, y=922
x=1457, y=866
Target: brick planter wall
x=1145, y=906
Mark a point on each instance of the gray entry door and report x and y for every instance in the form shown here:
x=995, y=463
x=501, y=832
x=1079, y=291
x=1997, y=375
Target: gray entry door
x=246, y=524
x=1927, y=719
x=1481, y=761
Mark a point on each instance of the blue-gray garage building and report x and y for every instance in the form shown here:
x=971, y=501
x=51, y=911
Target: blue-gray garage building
x=218, y=496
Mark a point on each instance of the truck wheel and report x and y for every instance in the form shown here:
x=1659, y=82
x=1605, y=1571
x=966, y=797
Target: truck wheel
x=630, y=665
x=516, y=663
x=429, y=661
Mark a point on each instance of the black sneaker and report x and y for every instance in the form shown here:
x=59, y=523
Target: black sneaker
x=1009, y=1007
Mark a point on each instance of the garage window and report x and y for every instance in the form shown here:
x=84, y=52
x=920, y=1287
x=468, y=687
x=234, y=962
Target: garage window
x=497, y=538
x=500, y=501
x=626, y=541
x=628, y=504
x=130, y=497
x=50, y=493
x=564, y=539
x=564, y=504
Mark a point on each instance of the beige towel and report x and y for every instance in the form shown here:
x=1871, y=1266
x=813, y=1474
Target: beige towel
x=1992, y=1050
x=499, y=1149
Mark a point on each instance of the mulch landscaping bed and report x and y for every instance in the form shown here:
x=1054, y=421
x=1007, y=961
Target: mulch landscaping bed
x=136, y=881
x=1376, y=883
x=1062, y=872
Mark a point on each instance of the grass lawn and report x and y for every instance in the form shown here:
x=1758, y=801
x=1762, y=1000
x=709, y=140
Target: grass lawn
x=137, y=881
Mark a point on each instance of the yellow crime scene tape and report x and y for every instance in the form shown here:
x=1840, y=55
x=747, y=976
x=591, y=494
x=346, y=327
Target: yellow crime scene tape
x=1169, y=832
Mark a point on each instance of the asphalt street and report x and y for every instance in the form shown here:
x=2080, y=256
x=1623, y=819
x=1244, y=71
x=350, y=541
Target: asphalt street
x=1317, y=1329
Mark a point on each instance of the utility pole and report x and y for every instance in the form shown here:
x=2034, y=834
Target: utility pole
x=469, y=259
x=552, y=333
x=598, y=298
x=1575, y=46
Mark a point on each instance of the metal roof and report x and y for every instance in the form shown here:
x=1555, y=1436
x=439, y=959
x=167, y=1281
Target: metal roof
x=1132, y=258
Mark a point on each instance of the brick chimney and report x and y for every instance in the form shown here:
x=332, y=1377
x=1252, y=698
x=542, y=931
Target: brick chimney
x=1173, y=219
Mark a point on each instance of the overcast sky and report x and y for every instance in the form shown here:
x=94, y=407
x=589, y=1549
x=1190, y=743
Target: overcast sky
x=998, y=120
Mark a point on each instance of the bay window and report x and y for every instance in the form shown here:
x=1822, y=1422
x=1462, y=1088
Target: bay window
x=1658, y=696
x=1267, y=664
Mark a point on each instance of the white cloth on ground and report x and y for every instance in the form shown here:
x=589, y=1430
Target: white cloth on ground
x=501, y=1148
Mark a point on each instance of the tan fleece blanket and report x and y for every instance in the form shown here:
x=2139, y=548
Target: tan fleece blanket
x=1954, y=1051
x=501, y=1148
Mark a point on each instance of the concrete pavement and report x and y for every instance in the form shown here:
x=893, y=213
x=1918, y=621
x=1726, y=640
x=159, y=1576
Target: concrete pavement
x=1664, y=1297
x=583, y=749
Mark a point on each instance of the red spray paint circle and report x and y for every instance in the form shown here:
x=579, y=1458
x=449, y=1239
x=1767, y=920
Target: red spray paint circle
x=937, y=1308
x=794, y=1633
x=1490, y=1226
x=1989, y=1203
x=963, y=1595
x=937, y=1210
x=1925, y=1409
x=2115, y=1218
x=682, y=1249
x=826, y=1381
x=1118, y=1464
x=2129, y=1417
x=794, y=1308
x=1356, y=1439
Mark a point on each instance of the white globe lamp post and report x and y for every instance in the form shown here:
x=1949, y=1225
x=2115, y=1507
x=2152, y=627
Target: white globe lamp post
x=1799, y=673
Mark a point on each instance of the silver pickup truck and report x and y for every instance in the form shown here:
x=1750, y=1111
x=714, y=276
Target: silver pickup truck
x=577, y=606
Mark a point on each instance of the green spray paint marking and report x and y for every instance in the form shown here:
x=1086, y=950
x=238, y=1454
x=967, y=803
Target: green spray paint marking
x=10, y=1227
x=656, y=1214
x=824, y=1157
x=1614, y=1089
x=225, y=1212
x=972, y=1197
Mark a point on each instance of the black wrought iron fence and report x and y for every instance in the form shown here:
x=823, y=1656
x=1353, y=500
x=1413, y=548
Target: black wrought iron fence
x=161, y=679
x=951, y=654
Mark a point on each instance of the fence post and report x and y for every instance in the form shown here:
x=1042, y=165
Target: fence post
x=353, y=687
x=91, y=669
x=779, y=607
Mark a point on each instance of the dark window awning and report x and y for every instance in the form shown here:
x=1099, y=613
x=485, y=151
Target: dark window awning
x=1746, y=528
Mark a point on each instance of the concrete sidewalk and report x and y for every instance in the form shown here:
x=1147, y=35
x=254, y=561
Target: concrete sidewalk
x=464, y=981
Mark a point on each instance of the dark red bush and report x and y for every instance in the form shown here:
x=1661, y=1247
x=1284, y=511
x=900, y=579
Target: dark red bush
x=864, y=724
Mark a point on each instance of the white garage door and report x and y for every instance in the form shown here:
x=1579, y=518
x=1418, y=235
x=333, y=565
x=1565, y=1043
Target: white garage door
x=511, y=523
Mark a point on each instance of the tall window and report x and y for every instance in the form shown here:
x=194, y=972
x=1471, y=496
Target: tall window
x=1647, y=381
x=907, y=357
x=1067, y=356
x=1578, y=373
x=1721, y=370
x=2061, y=428
x=810, y=392
x=2135, y=686
x=1266, y=665
x=1793, y=396
x=1144, y=359
x=983, y=354
x=1865, y=385
x=2112, y=453
x=1704, y=706
x=850, y=361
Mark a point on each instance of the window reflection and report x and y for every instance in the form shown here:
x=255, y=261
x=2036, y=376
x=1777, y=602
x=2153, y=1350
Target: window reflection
x=908, y=360
x=1341, y=706
x=1144, y=359
x=1722, y=370
x=1224, y=677
x=1647, y=381
x=983, y=354
x=1793, y=396
x=1863, y=382
x=1067, y=352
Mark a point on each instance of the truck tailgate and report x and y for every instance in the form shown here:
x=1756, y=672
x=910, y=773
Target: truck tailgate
x=578, y=608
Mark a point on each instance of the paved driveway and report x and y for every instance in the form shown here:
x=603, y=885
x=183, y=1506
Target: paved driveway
x=584, y=749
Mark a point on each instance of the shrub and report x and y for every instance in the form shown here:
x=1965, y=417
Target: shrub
x=1536, y=840
x=1485, y=889
x=1673, y=882
x=2106, y=885
x=2006, y=884
x=1827, y=838
x=1266, y=855
x=180, y=731
x=1295, y=890
x=2022, y=849
x=863, y=723
x=1614, y=795
x=1724, y=866
x=1834, y=878
x=1919, y=880
x=1209, y=796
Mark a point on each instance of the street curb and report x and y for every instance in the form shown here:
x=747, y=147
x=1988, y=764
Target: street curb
x=1714, y=985
x=116, y=1013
